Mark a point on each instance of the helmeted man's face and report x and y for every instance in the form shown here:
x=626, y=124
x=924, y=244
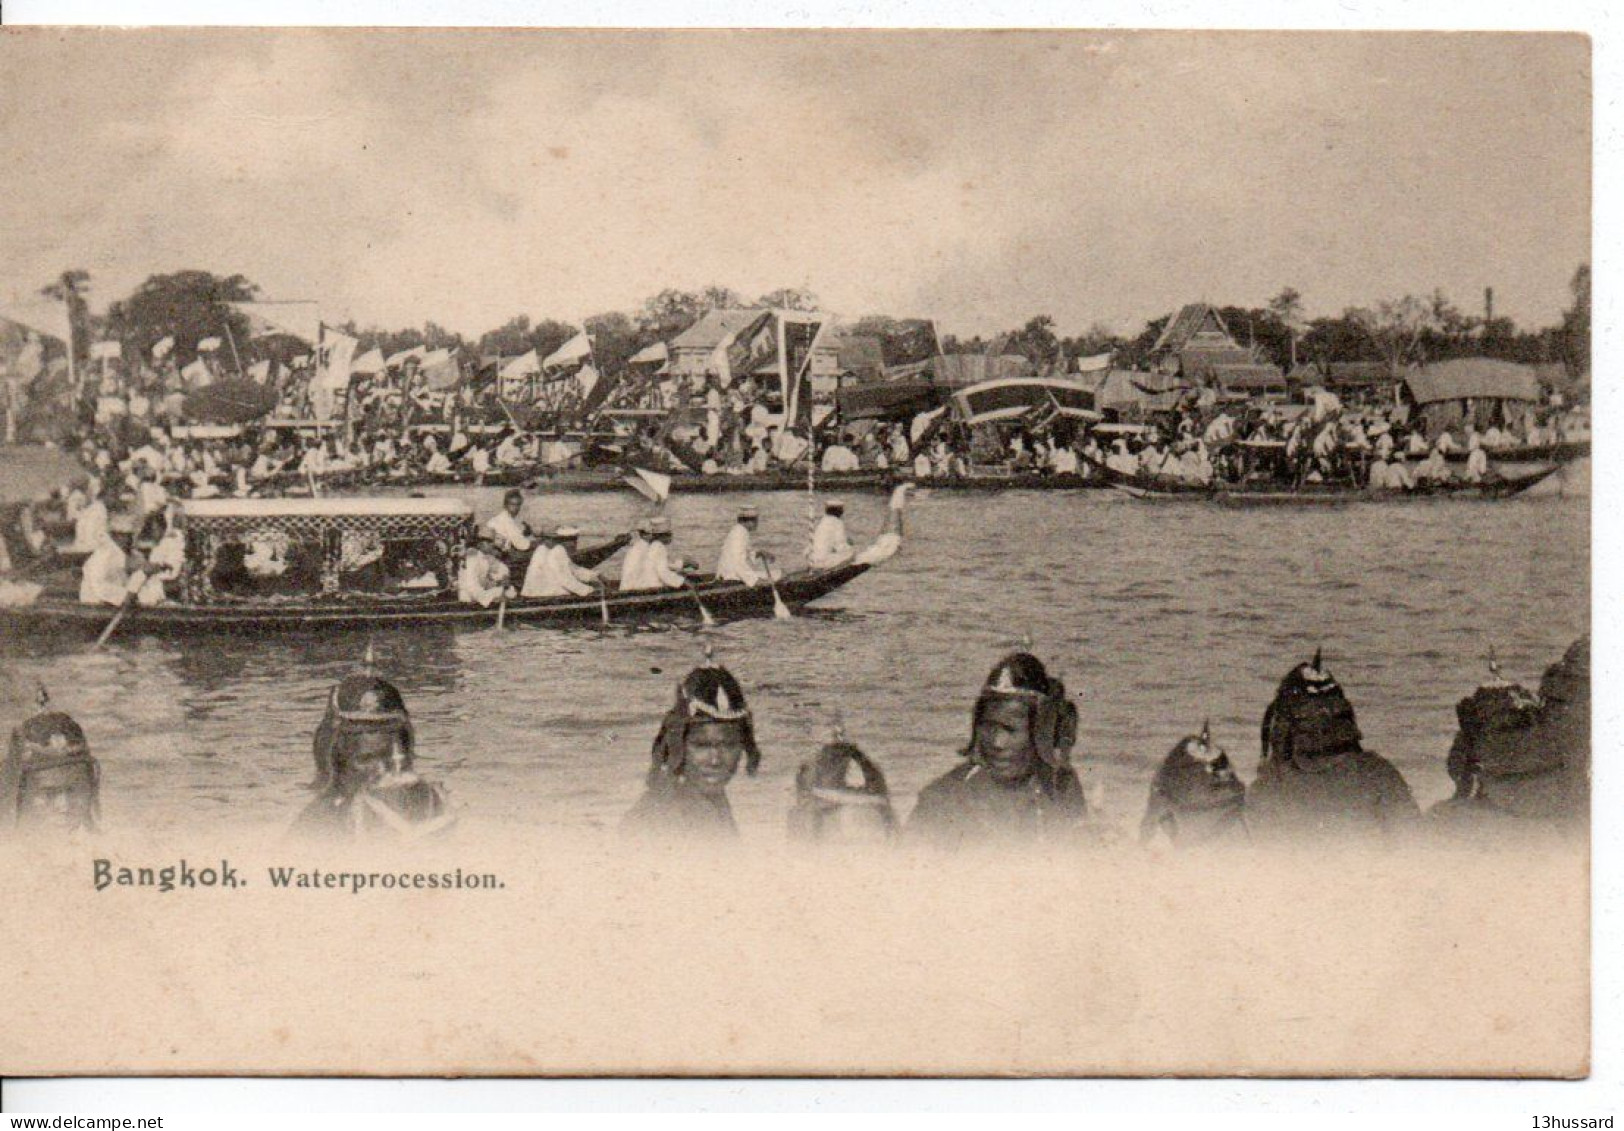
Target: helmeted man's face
x=713, y=755
x=1003, y=740
x=61, y=799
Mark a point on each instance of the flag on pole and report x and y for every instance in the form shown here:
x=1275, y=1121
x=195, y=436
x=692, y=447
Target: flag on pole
x=300, y=319
x=338, y=360
x=652, y=485
x=208, y=345
x=440, y=369
x=396, y=360
x=1098, y=363
x=572, y=351
x=260, y=370
x=41, y=316
x=587, y=379
x=369, y=363
x=525, y=365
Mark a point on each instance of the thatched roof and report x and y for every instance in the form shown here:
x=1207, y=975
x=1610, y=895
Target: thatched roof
x=1472, y=378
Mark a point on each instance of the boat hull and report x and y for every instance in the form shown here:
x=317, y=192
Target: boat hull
x=726, y=600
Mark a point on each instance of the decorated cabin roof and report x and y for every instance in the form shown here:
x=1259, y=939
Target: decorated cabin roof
x=1016, y=396
x=325, y=508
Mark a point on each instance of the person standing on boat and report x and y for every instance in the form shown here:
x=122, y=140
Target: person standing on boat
x=1196, y=800
x=1316, y=779
x=552, y=573
x=1016, y=779
x=484, y=577
x=830, y=545
x=656, y=570
x=511, y=534
x=49, y=782
x=702, y=740
x=741, y=561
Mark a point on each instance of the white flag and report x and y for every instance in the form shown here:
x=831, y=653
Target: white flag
x=340, y=356
x=1096, y=364
x=569, y=353
x=587, y=379
x=368, y=363
x=208, y=345
x=300, y=319
x=196, y=374
x=525, y=365
x=161, y=348
x=396, y=360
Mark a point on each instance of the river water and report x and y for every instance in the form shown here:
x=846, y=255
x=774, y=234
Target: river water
x=1156, y=615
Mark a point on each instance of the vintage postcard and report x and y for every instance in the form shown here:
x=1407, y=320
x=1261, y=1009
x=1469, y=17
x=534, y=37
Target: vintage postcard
x=538, y=552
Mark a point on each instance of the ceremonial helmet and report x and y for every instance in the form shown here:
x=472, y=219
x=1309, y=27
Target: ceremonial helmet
x=50, y=740
x=366, y=722
x=1195, y=775
x=1310, y=716
x=1021, y=676
x=708, y=694
x=841, y=794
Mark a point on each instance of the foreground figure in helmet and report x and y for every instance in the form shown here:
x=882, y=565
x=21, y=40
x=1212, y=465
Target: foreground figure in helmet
x=50, y=785
x=705, y=735
x=365, y=754
x=1522, y=761
x=1016, y=780
x=1316, y=779
x=841, y=798
x=1196, y=800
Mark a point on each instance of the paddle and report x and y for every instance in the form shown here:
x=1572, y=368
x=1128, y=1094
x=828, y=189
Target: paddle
x=780, y=610
x=501, y=611
x=129, y=599
x=704, y=613
x=603, y=600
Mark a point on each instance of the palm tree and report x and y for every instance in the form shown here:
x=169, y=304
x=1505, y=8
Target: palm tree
x=70, y=288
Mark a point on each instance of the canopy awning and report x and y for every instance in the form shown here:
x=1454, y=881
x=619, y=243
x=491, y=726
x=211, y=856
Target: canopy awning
x=889, y=400
x=1014, y=397
x=1472, y=378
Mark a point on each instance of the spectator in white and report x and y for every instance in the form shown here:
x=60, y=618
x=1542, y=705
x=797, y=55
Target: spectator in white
x=483, y=579
x=830, y=546
x=1221, y=428
x=1417, y=444
x=510, y=533
x=838, y=457
x=510, y=452
x=1477, y=460
x=90, y=524
x=104, y=580
x=166, y=560
x=150, y=496
x=654, y=570
x=552, y=573
x=739, y=560
x=439, y=463
x=1062, y=460
x=314, y=460
x=1445, y=443
x=922, y=467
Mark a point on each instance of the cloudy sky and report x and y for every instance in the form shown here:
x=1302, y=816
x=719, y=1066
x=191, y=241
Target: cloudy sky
x=464, y=177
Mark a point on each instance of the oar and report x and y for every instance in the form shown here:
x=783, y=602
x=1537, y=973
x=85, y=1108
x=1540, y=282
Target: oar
x=704, y=613
x=501, y=611
x=780, y=610
x=603, y=600
x=129, y=599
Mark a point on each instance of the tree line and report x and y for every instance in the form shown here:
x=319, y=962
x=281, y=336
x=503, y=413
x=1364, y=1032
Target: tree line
x=192, y=305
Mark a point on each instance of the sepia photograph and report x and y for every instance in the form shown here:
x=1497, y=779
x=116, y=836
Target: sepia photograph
x=542, y=552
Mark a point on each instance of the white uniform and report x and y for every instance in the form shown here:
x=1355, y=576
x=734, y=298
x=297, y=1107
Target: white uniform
x=838, y=457
x=482, y=579
x=738, y=561
x=636, y=551
x=655, y=572
x=103, y=581
x=508, y=531
x=90, y=526
x=1477, y=465
x=830, y=546
x=552, y=574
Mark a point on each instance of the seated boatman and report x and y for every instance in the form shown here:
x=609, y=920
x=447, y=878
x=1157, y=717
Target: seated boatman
x=511, y=534
x=636, y=551
x=656, y=570
x=1196, y=800
x=365, y=749
x=1016, y=780
x=484, y=577
x=49, y=783
x=704, y=736
x=552, y=573
x=841, y=797
x=1522, y=761
x=740, y=561
x=1316, y=779
x=830, y=545
x=105, y=578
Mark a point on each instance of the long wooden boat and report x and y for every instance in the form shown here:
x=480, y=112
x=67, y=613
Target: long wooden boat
x=1263, y=493
x=329, y=535
x=1565, y=451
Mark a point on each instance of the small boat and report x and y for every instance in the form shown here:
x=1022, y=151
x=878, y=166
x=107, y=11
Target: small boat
x=280, y=566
